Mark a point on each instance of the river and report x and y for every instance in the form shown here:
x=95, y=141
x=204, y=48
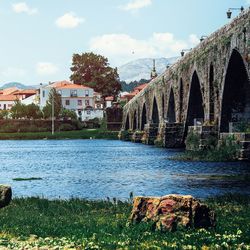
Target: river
x=97, y=169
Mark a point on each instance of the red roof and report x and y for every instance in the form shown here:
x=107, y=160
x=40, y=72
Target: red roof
x=73, y=86
x=8, y=98
x=141, y=87
x=25, y=91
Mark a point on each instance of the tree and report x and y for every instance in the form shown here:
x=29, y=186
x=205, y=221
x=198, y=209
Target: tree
x=94, y=71
x=18, y=110
x=68, y=114
x=47, y=109
x=33, y=111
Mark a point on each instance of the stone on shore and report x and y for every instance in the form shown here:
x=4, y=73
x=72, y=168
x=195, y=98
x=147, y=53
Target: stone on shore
x=5, y=195
x=170, y=212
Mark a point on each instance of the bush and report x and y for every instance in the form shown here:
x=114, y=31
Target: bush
x=192, y=141
x=66, y=127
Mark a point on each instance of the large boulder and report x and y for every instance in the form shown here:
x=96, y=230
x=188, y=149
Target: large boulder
x=170, y=212
x=5, y=195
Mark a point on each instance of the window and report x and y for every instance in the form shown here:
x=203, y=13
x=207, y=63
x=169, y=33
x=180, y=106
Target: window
x=43, y=93
x=86, y=102
x=67, y=102
x=88, y=112
x=73, y=93
x=10, y=105
x=86, y=93
x=79, y=102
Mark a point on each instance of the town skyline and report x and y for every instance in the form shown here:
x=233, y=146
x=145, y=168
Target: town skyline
x=39, y=38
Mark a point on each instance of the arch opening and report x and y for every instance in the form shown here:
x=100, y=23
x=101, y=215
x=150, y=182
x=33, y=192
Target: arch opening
x=163, y=105
x=155, y=113
x=236, y=95
x=195, y=103
x=144, y=117
x=127, y=122
x=211, y=93
x=135, y=121
x=171, y=108
x=181, y=94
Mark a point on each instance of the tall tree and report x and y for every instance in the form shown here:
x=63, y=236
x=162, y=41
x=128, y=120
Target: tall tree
x=56, y=98
x=94, y=71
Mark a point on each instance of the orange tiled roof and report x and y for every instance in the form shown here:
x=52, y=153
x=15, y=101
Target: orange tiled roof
x=73, y=86
x=25, y=91
x=10, y=91
x=8, y=98
x=60, y=83
x=141, y=87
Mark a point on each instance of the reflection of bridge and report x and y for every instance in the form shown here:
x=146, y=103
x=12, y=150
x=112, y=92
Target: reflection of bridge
x=209, y=84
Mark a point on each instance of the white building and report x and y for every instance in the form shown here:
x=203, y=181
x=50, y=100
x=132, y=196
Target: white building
x=78, y=98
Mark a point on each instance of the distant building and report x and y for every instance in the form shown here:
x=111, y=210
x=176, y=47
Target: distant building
x=78, y=98
x=135, y=91
x=9, y=96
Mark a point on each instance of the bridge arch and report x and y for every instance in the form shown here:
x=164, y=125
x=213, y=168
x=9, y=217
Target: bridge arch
x=181, y=96
x=195, y=101
x=135, y=120
x=127, y=124
x=235, y=104
x=171, y=116
x=163, y=106
x=155, y=112
x=211, y=93
x=143, y=116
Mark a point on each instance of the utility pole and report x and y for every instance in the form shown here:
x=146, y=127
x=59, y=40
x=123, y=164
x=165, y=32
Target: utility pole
x=53, y=113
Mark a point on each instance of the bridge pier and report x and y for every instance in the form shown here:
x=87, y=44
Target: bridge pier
x=243, y=140
x=150, y=133
x=173, y=135
x=201, y=136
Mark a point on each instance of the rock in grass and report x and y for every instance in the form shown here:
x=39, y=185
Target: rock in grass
x=5, y=195
x=170, y=212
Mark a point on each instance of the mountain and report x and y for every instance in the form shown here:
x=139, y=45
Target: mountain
x=141, y=68
x=17, y=85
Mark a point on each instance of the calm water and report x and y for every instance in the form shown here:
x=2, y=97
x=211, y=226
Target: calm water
x=100, y=168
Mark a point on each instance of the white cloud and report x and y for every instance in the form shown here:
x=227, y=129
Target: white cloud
x=193, y=39
x=69, y=21
x=46, y=68
x=22, y=7
x=136, y=4
x=121, y=48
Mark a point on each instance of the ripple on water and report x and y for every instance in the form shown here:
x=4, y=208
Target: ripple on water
x=97, y=169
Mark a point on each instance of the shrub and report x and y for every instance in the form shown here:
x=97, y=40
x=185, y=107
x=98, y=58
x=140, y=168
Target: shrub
x=192, y=141
x=66, y=127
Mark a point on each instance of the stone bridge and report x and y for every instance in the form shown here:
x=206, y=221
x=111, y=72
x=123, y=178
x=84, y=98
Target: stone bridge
x=208, y=88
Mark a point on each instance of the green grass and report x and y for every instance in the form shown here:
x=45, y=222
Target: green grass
x=76, y=134
x=27, y=179
x=103, y=225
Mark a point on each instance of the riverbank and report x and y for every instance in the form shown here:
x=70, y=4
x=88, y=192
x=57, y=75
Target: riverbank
x=83, y=224
x=76, y=134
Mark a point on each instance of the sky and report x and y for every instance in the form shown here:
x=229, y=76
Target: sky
x=39, y=37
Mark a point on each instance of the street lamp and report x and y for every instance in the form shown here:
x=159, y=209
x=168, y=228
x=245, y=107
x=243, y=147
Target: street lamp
x=185, y=50
x=53, y=114
x=229, y=12
x=202, y=38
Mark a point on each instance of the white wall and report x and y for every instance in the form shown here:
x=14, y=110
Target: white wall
x=7, y=103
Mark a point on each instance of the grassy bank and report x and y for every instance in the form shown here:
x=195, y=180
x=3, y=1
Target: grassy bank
x=76, y=134
x=84, y=224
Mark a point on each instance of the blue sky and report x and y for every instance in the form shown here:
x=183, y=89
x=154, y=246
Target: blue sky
x=38, y=37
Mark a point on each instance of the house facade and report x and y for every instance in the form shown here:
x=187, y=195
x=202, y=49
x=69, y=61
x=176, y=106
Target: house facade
x=78, y=98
